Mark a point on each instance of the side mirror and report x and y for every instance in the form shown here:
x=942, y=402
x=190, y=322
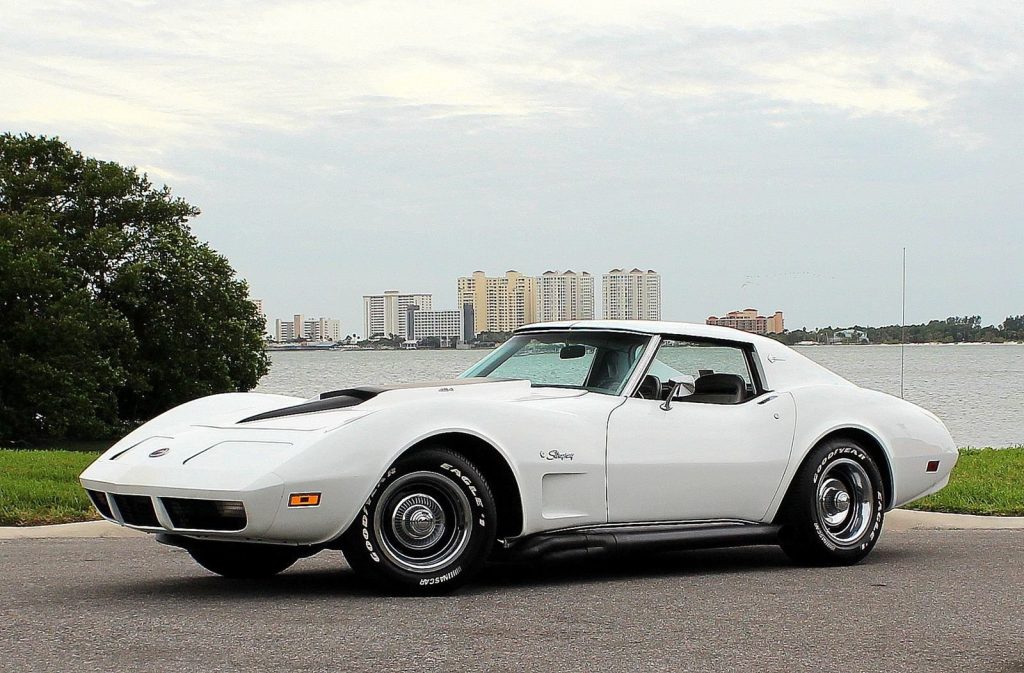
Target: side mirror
x=677, y=383
x=572, y=351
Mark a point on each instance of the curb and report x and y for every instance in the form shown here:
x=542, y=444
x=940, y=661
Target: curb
x=898, y=520
x=67, y=530
x=907, y=519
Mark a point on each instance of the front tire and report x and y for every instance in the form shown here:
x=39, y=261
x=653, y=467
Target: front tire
x=238, y=560
x=833, y=513
x=427, y=527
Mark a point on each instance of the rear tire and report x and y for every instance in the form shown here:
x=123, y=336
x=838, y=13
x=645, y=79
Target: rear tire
x=243, y=561
x=834, y=510
x=427, y=527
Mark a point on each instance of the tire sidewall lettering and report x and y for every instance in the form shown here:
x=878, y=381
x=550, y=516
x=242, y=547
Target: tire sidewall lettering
x=861, y=457
x=478, y=508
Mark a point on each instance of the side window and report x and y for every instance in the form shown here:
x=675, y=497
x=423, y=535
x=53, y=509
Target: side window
x=713, y=373
x=697, y=359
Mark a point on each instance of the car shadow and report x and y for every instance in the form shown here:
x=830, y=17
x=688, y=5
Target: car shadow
x=633, y=566
x=679, y=564
x=327, y=575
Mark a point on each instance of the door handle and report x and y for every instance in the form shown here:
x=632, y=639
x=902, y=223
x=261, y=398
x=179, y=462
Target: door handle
x=768, y=399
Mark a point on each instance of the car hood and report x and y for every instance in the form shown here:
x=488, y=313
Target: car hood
x=340, y=406
x=280, y=422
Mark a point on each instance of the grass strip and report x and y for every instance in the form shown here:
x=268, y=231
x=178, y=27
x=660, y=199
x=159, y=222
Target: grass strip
x=40, y=487
x=984, y=481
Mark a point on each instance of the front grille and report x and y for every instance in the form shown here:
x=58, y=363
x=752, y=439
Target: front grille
x=99, y=501
x=195, y=514
x=136, y=510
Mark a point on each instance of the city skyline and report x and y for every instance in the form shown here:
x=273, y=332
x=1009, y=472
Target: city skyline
x=504, y=303
x=580, y=296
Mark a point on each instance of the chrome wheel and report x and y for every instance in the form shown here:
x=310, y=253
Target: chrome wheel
x=423, y=522
x=845, y=497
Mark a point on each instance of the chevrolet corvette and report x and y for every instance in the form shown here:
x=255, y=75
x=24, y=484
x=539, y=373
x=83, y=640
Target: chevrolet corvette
x=570, y=439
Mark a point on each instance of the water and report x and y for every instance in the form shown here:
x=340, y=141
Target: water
x=976, y=389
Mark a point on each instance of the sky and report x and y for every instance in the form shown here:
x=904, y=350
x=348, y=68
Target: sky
x=769, y=155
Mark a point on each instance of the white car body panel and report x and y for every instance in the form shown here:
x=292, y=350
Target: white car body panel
x=578, y=458
x=710, y=461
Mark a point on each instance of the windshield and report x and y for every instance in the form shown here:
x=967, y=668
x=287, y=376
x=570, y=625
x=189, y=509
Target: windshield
x=598, y=361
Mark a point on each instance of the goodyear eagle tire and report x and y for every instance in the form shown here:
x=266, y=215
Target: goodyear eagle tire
x=427, y=527
x=243, y=561
x=834, y=510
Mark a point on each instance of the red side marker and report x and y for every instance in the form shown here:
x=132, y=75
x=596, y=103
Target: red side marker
x=933, y=466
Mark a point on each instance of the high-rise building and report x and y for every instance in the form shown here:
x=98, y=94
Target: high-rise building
x=749, y=321
x=501, y=303
x=468, y=323
x=565, y=296
x=262, y=314
x=322, y=329
x=312, y=329
x=385, y=314
x=631, y=295
x=289, y=330
x=446, y=326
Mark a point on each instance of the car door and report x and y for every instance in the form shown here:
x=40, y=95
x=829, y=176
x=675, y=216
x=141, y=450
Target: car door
x=699, y=460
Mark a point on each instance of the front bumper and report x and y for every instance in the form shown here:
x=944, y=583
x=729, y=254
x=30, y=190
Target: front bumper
x=218, y=514
x=229, y=506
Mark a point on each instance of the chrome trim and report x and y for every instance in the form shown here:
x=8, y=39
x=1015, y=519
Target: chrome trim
x=527, y=329
x=454, y=535
x=640, y=370
x=755, y=357
x=692, y=524
x=844, y=502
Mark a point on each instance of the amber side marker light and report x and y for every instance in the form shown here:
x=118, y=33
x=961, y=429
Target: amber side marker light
x=304, y=500
x=933, y=466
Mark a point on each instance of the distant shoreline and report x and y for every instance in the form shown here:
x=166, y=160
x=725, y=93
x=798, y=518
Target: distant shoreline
x=356, y=349
x=918, y=343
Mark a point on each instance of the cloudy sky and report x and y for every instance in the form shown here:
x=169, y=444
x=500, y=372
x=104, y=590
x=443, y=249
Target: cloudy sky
x=778, y=156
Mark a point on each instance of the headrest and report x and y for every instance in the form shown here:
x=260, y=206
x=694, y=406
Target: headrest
x=720, y=384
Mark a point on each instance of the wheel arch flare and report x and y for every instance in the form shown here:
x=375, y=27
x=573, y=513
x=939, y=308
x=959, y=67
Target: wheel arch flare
x=870, y=442
x=495, y=467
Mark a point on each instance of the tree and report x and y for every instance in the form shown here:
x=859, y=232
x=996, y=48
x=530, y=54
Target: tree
x=497, y=337
x=113, y=310
x=1013, y=327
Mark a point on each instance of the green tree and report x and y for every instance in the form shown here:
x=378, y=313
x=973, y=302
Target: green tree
x=113, y=310
x=497, y=337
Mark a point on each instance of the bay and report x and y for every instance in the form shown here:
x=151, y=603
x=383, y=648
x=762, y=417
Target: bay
x=976, y=389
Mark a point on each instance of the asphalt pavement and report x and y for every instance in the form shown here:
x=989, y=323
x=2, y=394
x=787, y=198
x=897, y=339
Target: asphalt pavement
x=925, y=600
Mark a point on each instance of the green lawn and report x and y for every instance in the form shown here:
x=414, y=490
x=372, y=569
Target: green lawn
x=984, y=481
x=41, y=486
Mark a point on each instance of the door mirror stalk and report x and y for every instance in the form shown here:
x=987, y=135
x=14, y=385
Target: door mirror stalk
x=677, y=383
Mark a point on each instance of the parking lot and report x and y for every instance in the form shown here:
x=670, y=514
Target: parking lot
x=924, y=601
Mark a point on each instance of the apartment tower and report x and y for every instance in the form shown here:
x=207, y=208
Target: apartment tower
x=501, y=303
x=385, y=314
x=289, y=330
x=631, y=295
x=749, y=321
x=565, y=296
x=322, y=329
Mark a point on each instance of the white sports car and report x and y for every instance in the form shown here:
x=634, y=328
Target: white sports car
x=571, y=438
